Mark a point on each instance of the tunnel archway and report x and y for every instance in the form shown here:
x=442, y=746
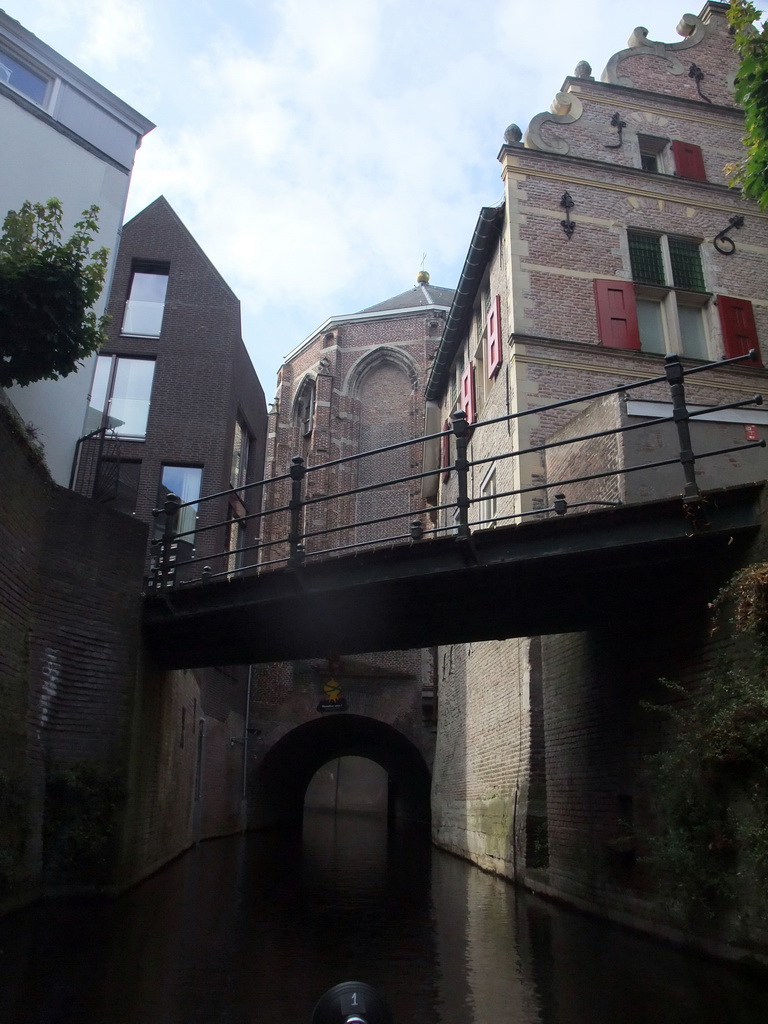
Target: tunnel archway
x=281, y=781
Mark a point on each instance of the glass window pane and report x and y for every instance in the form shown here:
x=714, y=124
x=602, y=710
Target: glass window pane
x=185, y=482
x=686, y=264
x=94, y=418
x=149, y=287
x=651, y=324
x=32, y=85
x=129, y=407
x=692, y=331
x=645, y=258
x=239, y=470
x=146, y=302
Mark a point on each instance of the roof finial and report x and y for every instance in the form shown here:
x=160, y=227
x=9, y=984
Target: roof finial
x=422, y=277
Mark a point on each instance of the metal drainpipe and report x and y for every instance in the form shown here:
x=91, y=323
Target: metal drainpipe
x=244, y=792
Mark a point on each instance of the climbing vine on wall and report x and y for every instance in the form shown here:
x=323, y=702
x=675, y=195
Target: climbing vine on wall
x=708, y=846
x=751, y=41
x=81, y=816
x=14, y=827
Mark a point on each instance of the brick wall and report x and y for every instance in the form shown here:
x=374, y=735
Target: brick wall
x=203, y=376
x=369, y=376
x=74, y=690
x=559, y=717
x=70, y=585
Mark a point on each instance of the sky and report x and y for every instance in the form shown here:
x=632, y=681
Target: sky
x=318, y=149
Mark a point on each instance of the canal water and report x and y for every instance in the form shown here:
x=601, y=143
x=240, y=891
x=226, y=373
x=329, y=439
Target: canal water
x=254, y=929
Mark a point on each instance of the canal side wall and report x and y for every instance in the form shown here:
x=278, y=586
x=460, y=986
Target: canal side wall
x=109, y=767
x=558, y=770
x=185, y=767
x=70, y=585
x=481, y=777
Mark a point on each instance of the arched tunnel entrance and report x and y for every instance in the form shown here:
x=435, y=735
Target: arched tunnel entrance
x=281, y=781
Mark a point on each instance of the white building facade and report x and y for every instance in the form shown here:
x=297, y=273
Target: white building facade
x=66, y=137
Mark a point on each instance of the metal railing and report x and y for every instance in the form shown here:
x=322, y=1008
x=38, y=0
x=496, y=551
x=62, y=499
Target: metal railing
x=286, y=539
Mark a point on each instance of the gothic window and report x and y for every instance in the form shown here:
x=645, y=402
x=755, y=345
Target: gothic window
x=305, y=408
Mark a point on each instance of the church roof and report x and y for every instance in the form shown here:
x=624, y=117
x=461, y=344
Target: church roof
x=419, y=295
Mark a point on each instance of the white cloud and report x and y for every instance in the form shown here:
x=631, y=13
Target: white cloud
x=315, y=150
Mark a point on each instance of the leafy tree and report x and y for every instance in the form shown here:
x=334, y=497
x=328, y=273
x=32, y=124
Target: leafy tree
x=752, y=94
x=47, y=289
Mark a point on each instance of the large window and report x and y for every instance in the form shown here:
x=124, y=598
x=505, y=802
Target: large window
x=305, y=408
x=488, y=503
x=241, y=446
x=670, y=295
x=146, y=300
x=120, y=396
x=236, y=541
x=184, y=482
x=23, y=79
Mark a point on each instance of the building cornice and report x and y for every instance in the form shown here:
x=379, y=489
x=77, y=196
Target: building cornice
x=565, y=177
x=27, y=43
x=484, y=239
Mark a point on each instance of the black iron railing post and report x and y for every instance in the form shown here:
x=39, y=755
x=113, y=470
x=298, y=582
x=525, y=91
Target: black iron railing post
x=169, y=508
x=297, y=472
x=673, y=369
x=461, y=465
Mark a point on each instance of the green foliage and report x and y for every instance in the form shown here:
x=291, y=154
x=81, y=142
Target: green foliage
x=47, y=289
x=708, y=847
x=752, y=93
x=81, y=817
x=746, y=593
x=14, y=827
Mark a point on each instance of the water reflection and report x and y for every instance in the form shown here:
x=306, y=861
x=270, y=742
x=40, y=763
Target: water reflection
x=252, y=929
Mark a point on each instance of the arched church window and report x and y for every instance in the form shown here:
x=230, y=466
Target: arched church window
x=305, y=408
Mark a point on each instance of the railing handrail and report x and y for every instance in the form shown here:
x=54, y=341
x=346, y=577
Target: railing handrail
x=296, y=536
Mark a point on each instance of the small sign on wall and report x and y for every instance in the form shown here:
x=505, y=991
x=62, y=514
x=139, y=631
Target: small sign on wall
x=334, y=700
x=751, y=431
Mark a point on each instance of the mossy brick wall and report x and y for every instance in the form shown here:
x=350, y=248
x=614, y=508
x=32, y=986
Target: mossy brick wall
x=70, y=596
x=25, y=490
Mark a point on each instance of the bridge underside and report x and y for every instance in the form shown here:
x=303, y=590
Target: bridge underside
x=549, y=576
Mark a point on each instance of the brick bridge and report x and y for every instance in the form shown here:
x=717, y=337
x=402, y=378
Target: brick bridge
x=310, y=590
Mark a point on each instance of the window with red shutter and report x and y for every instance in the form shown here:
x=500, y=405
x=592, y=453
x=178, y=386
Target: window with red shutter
x=617, y=314
x=689, y=163
x=445, y=451
x=494, y=350
x=468, y=393
x=738, y=323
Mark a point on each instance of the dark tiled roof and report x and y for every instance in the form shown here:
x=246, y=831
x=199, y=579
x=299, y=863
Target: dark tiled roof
x=419, y=295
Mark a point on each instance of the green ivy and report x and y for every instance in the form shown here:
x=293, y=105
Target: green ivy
x=81, y=817
x=47, y=289
x=752, y=93
x=14, y=828
x=708, y=844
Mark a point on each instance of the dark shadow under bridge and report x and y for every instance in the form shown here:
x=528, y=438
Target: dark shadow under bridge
x=548, y=573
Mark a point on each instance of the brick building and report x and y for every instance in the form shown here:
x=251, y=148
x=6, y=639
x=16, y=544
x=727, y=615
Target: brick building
x=176, y=404
x=609, y=251
x=356, y=384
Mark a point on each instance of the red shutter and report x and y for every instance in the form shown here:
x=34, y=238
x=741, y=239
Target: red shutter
x=617, y=314
x=689, y=162
x=468, y=392
x=738, y=323
x=494, y=351
x=445, y=451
